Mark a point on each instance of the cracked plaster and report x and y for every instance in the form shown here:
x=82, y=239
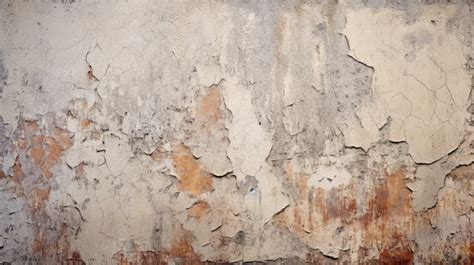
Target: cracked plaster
x=184, y=132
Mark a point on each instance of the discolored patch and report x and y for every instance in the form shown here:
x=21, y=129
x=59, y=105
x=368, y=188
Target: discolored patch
x=181, y=251
x=464, y=176
x=199, y=209
x=338, y=203
x=75, y=259
x=397, y=255
x=38, y=199
x=150, y=258
x=192, y=177
x=86, y=123
x=40, y=149
x=388, y=222
x=210, y=105
x=471, y=252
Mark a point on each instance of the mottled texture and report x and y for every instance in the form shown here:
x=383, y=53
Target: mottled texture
x=284, y=132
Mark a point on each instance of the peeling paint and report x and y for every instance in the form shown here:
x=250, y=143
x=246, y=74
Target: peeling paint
x=280, y=132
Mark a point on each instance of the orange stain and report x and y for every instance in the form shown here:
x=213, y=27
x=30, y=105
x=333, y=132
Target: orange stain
x=40, y=150
x=199, y=209
x=85, y=123
x=210, y=106
x=192, y=177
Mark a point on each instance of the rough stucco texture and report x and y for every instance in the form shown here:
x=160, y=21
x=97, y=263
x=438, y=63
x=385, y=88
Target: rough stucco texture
x=186, y=132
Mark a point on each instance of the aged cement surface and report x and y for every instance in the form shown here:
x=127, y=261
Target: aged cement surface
x=186, y=132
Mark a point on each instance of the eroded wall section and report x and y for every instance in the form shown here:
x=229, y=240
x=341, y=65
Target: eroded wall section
x=153, y=132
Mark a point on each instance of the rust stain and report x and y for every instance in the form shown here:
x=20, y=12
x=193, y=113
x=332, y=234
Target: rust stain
x=454, y=199
x=17, y=177
x=463, y=175
x=40, y=150
x=62, y=138
x=298, y=220
x=338, y=203
x=39, y=199
x=39, y=241
x=397, y=255
x=294, y=216
x=180, y=252
x=53, y=154
x=150, y=258
x=120, y=259
x=298, y=181
x=182, y=249
x=313, y=209
x=37, y=152
x=390, y=200
x=192, y=177
x=389, y=220
x=199, y=209
x=471, y=252
x=386, y=223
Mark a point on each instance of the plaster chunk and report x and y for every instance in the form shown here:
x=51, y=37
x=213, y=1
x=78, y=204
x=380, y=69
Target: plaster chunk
x=83, y=154
x=271, y=198
x=429, y=179
x=209, y=142
x=117, y=154
x=417, y=80
x=249, y=142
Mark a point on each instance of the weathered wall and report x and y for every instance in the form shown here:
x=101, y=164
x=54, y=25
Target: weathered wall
x=146, y=132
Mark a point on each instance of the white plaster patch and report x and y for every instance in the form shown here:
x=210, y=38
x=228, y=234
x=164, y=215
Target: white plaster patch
x=405, y=85
x=249, y=142
x=117, y=154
